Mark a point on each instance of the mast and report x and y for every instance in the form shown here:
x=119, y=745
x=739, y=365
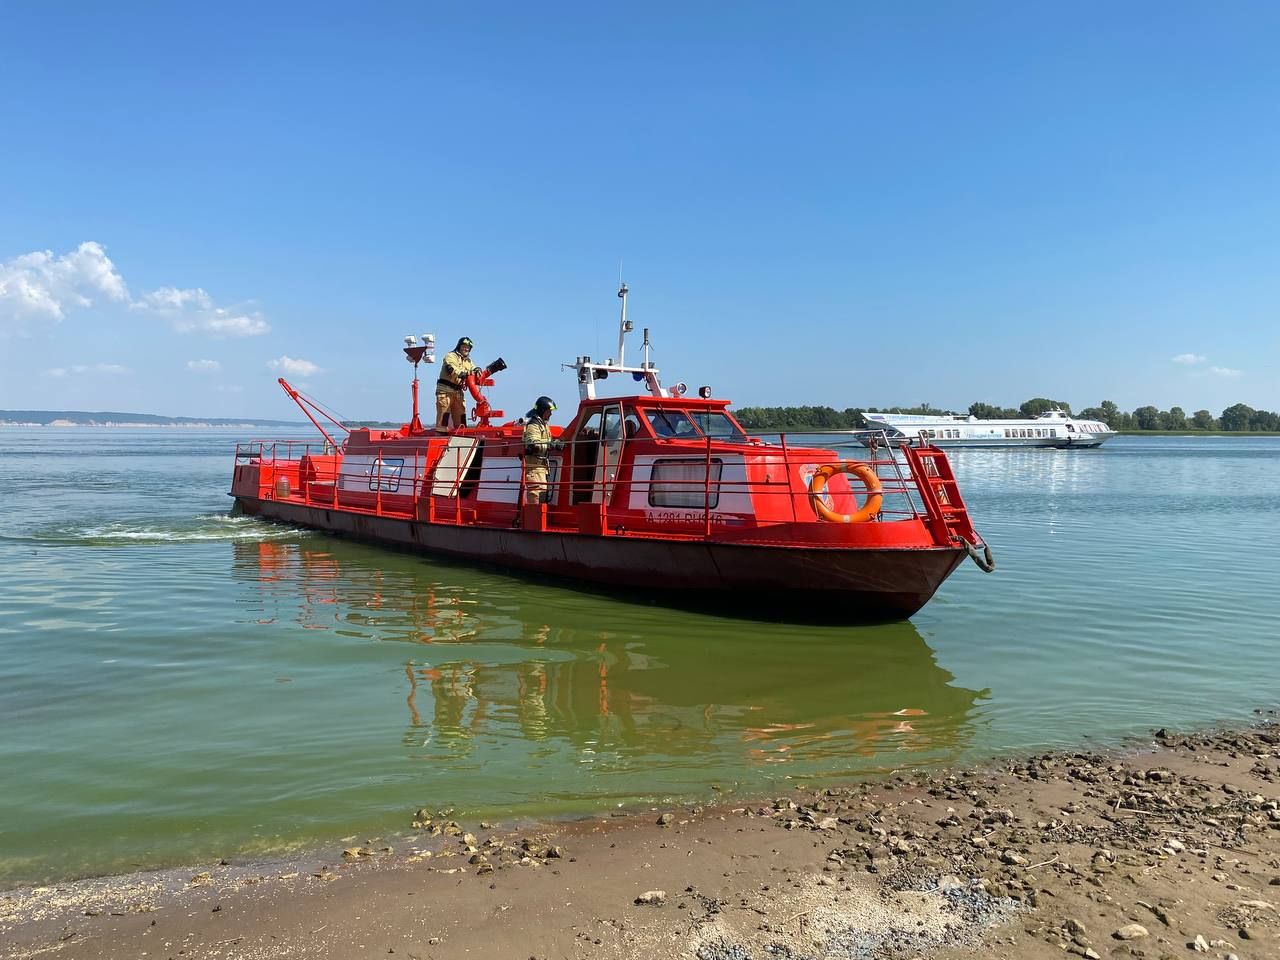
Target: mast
x=589, y=371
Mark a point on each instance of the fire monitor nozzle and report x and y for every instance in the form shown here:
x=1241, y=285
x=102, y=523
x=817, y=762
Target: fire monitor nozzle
x=497, y=366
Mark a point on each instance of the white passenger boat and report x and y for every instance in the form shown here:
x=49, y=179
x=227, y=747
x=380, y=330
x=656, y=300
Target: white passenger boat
x=1052, y=428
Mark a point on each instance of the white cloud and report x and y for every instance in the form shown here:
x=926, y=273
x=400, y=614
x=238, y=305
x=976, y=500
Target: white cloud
x=1226, y=372
x=193, y=311
x=41, y=287
x=1189, y=358
x=114, y=369
x=298, y=368
x=204, y=366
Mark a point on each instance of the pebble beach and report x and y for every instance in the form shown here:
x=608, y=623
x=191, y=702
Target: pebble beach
x=1168, y=849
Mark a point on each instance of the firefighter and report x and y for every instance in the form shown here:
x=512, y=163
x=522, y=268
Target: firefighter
x=537, y=444
x=450, y=401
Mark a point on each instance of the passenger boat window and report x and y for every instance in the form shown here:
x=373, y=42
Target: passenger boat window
x=718, y=426
x=669, y=424
x=683, y=483
x=385, y=474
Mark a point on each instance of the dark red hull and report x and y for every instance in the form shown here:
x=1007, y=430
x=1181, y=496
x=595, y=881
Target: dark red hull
x=787, y=583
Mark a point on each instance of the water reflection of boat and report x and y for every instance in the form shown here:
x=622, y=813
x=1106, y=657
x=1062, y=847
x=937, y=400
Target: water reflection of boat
x=656, y=683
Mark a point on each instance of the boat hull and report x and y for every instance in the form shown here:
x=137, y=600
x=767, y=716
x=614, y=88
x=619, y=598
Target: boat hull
x=820, y=584
x=1020, y=444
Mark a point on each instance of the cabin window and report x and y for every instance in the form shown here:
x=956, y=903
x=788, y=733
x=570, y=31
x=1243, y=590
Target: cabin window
x=1053, y=431
x=718, y=426
x=682, y=483
x=630, y=422
x=385, y=474
x=613, y=423
x=671, y=424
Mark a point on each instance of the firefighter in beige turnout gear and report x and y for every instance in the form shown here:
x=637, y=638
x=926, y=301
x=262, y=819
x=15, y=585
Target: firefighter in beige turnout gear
x=537, y=444
x=450, y=401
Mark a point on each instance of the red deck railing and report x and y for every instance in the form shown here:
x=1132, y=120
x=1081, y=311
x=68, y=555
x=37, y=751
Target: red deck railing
x=916, y=484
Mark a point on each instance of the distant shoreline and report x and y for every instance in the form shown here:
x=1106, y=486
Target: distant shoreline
x=125, y=424
x=62, y=424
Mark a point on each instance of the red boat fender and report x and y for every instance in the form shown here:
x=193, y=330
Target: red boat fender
x=864, y=472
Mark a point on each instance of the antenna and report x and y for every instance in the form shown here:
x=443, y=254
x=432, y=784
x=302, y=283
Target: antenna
x=624, y=325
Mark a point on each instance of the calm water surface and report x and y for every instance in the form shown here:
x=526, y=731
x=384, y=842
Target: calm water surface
x=176, y=684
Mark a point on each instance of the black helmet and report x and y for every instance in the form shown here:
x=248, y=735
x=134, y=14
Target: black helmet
x=544, y=405
x=464, y=342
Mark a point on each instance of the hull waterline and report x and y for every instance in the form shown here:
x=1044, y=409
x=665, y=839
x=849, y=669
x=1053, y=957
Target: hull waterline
x=795, y=584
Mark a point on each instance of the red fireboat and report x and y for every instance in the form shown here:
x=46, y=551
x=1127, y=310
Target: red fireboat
x=654, y=493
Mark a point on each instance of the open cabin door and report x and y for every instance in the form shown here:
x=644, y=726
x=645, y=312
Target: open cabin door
x=595, y=450
x=451, y=468
x=611, y=440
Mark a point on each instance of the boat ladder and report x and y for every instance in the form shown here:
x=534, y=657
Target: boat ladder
x=948, y=518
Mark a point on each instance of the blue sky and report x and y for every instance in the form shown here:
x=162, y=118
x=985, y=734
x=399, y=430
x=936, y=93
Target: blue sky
x=840, y=204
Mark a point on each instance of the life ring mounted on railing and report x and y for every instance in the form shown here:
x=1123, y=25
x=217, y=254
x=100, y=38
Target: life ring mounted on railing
x=864, y=472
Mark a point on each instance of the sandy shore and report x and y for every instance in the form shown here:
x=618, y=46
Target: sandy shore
x=1170, y=851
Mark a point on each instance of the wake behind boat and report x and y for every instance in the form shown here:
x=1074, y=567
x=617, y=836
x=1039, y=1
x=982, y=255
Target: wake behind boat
x=1053, y=428
x=655, y=491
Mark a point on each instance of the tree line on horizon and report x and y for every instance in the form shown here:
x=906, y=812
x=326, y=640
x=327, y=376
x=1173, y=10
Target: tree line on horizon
x=1237, y=418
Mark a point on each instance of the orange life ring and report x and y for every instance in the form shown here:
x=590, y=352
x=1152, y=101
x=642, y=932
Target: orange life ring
x=864, y=472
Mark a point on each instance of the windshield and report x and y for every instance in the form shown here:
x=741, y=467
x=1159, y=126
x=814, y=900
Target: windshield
x=718, y=426
x=685, y=424
x=671, y=423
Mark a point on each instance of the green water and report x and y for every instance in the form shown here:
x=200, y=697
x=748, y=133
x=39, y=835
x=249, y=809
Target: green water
x=177, y=684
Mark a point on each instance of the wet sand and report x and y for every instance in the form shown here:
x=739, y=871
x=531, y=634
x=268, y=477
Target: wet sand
x=1171, y=849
